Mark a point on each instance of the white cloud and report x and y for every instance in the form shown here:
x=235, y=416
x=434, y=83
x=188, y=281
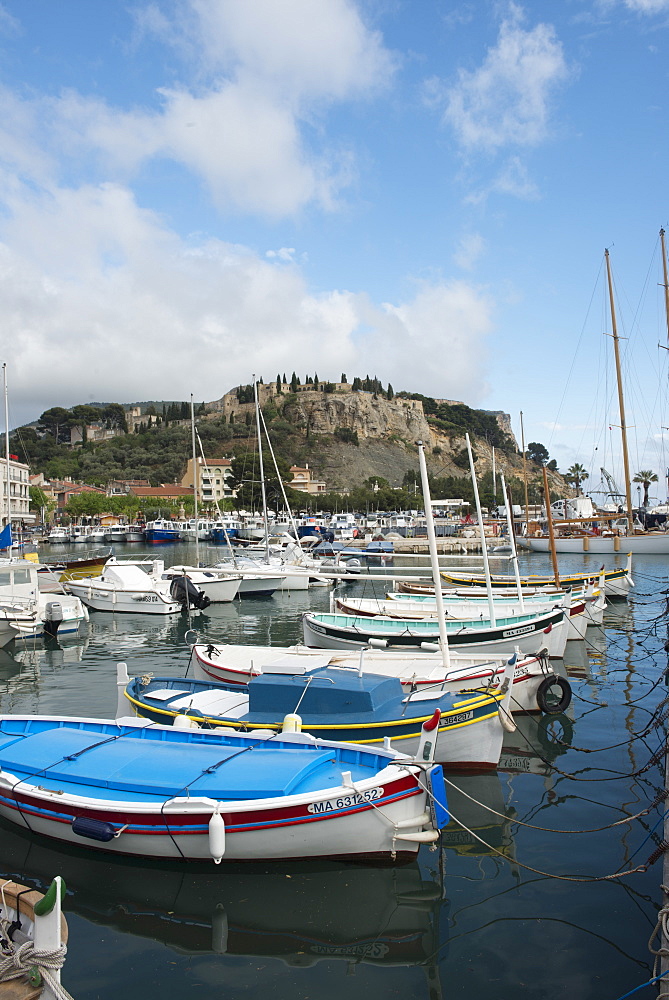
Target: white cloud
x=248, y=129
x=309, y=49
x=118, y=307
x=647, y=6
x=469, y=250
x=507, y=100
x=437, y=340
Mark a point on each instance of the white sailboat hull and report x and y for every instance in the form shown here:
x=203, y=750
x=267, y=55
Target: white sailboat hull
x=655, y=544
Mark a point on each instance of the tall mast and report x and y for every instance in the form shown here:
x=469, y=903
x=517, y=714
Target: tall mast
x=621, y=401
x=666, y=281
x=522, y=445
x=196, y=479
x=7, y=493
x=262, y=470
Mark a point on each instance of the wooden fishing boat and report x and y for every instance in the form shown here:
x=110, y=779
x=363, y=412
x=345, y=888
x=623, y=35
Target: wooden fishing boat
x=335, y=703
x=527, y=633
x=33, y=941
x=90, y=564
x=536, y=688
x=593, y=597
x=617, y=582
x=126, y=787
x=424, y=607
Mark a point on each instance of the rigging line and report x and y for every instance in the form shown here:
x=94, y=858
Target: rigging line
x=546, y=829
x=537, y=871
x=578, y=345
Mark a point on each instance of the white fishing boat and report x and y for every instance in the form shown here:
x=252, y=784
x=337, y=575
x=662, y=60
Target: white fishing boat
x=416, y=606
x=125, y=587
x=527, y=632
x=161, y=792
x=116, y=534
x=536, y=686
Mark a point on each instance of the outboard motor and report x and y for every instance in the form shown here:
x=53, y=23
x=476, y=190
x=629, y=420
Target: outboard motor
x=183, y=590
x=53, y=617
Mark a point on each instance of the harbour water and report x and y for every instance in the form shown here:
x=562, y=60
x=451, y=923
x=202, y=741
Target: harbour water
x=519, y=901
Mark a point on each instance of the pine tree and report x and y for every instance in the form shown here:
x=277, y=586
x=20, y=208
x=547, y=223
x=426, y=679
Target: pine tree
x=343, y=378
x=390, y=391
x=278, y=383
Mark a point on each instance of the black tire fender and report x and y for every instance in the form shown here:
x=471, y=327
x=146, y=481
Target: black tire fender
x=546, y=695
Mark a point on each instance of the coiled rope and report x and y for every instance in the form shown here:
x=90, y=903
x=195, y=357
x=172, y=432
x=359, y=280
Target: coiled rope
x=36, y=966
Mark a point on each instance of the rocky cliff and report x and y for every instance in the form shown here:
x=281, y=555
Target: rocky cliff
x=350, y=435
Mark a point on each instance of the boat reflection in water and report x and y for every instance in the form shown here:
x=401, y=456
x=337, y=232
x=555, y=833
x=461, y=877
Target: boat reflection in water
x=536, y=743
x=481, y=822
x=298, y=914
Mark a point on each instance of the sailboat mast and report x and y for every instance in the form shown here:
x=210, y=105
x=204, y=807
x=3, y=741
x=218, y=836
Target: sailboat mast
x=262, y=470
x=666, y=281
x=196, y=480
x=621, y=400
x=7, y=466
x=522, y=445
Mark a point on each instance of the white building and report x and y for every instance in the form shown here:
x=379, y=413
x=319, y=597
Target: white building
x=19, y=495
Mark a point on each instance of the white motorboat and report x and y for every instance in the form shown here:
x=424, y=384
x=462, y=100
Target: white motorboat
x=220, y=588
x=55, y=613
x=59, y=536
x=125, y=587
x=115, y=534
x=134, y=533
x=252, y=583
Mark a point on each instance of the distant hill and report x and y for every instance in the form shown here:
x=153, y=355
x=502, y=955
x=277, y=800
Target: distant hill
x=345, y=435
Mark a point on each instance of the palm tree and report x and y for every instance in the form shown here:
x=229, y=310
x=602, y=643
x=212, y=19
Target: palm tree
x=576, y=474
x=645, y=477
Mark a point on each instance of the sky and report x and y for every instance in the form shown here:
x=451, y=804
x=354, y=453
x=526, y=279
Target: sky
x=196, y=191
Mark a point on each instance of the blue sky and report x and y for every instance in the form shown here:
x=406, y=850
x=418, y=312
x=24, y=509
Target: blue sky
x=195, y=190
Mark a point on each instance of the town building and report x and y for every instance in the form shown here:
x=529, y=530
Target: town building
x=214, y=479
x=19, y=494
x=303, y=482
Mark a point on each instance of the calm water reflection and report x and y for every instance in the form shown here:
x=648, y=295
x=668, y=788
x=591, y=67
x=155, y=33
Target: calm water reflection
x=478, y=919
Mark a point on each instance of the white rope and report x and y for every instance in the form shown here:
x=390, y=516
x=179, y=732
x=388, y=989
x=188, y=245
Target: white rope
x=22, y=962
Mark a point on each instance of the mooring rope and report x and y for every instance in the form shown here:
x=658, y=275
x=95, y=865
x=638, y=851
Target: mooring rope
x=25, y=961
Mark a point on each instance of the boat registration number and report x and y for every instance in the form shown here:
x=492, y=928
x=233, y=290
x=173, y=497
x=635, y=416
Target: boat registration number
x=345, y=801
x=454, y=720
x=146, y=599
x=522, y=630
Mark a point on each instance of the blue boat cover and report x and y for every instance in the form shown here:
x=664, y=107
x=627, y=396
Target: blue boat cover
x=97, y=764
x=325, y=691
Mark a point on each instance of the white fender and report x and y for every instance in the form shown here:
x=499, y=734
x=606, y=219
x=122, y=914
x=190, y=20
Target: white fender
x=217, y=835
